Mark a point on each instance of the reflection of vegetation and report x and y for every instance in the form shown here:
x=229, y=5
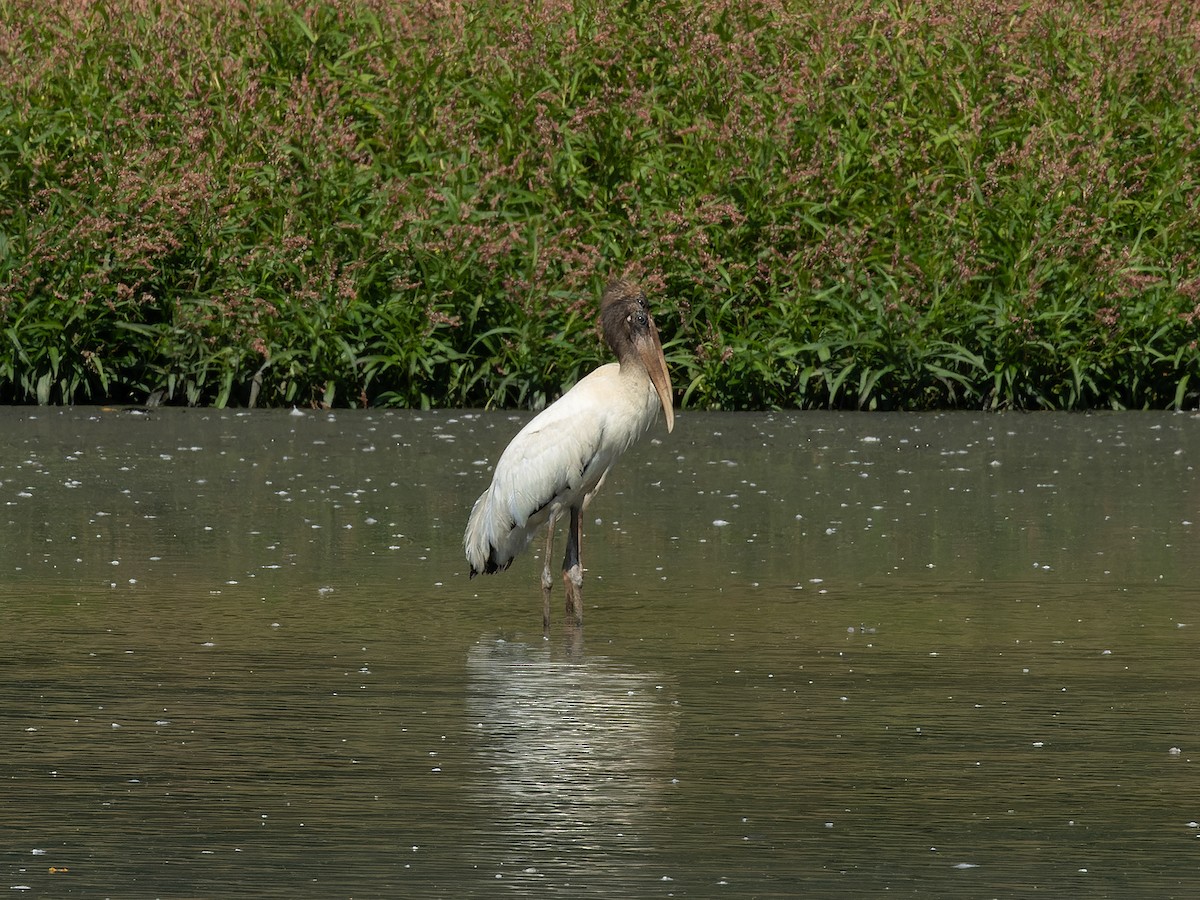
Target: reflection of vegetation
x=882, y=205
x=935, y=503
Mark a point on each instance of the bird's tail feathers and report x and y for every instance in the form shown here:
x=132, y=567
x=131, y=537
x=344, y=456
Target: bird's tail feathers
x=492, y=540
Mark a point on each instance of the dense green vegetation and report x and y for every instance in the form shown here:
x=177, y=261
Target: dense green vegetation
x=892, y=204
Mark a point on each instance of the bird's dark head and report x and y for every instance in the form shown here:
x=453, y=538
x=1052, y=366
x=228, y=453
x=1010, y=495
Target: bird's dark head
x=630, y=332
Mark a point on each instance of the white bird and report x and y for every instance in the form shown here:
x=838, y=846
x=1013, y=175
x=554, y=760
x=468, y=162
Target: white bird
x=558, y=461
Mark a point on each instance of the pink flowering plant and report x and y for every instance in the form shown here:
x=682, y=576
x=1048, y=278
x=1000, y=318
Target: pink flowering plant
x=902, y=204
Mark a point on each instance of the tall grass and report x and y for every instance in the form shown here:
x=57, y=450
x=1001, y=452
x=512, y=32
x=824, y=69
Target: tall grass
x=983, y=203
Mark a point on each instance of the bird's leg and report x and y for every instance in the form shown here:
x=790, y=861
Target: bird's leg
x=573, y=569
x=547, y=578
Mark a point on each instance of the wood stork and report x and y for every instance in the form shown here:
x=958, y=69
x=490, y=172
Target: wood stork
x=558, y=461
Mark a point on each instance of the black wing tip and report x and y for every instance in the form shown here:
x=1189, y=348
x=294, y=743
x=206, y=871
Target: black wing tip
x=491, y=567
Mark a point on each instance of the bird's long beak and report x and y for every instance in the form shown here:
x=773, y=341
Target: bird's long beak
x=651, y=353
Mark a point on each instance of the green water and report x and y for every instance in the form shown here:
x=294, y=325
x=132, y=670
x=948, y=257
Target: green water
x=825, y=654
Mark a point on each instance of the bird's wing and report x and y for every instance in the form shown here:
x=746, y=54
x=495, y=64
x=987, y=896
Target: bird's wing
x=556, y=459
x=551, y=458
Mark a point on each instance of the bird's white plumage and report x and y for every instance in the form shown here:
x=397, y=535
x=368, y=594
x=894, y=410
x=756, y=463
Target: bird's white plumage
x=558, y=460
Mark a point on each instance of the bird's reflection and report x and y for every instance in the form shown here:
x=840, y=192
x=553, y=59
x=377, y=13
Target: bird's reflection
x=575, y=754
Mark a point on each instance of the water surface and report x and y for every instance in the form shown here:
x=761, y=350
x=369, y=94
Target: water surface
x=824, y=654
